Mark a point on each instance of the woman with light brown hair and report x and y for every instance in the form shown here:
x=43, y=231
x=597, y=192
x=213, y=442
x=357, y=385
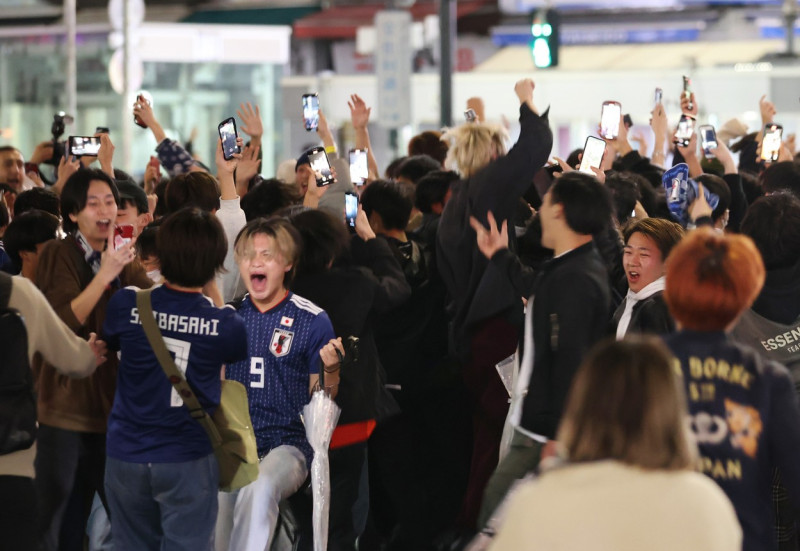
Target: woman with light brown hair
x=628, y=480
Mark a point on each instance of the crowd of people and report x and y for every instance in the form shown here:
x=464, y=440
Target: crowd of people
x=526, y=355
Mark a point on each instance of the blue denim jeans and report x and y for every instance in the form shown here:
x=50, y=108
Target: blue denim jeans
x=162, y=506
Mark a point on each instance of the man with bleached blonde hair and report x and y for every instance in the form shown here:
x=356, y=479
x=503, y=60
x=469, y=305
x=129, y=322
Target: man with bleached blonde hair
x=486, y=312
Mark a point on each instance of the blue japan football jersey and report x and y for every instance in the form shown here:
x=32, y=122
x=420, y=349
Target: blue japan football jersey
x=148, y=421
x=283, y=345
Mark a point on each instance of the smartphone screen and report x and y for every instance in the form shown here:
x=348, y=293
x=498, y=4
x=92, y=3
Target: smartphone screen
x=609, y=119
x=227, y=132
x=659, y=95
x=123, y=235
x=470, y=116
x=771, y=144
x=358, y=166
x=593, y=152
x=350, y=208
x=708, y=139
x=685, y=130
x=80, y=146
x=321, y=166
x=311, y=111
x=687, y=89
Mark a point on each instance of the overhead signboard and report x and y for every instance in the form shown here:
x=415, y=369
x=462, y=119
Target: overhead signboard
x=393, y=53
x=525, y=6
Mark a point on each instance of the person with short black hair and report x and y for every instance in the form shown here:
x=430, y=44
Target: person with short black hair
x=718, y=186
x=268, y=197
x=192, y=189
x=430, y=197
x=37, y=198
x=782, y=176
x=200, y=189
x=568, y=312
x=147, y=252
x=429, y=143
x=161, y=474
x=387, y=206
x=773, y=223
x=648, y=242
x=79, y=275
x=412, y=169
x=25, y=237
x=352, y=291
x=134, y=209
x=625, y=191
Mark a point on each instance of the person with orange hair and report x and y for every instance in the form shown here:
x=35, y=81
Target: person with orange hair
x=743, y=409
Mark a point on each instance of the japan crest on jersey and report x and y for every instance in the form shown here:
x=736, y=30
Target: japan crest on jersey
x=281, y=342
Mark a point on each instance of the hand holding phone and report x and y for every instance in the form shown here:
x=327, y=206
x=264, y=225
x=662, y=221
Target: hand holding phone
x=123, y=235
x=708, y=140
x=311, y=111
x=228, y=135
x=80, y=146
x=771, y=143
x=359, y=171
x=687, y=98
x=321, y=167
x=142, y=98
x=684, y=132
x=610, y=115
x=350, y=210
x=593, y=151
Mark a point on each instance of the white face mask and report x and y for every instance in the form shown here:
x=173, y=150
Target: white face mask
x=155, y=275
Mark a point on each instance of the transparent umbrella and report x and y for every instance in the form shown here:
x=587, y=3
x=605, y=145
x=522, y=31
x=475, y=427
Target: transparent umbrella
x=320, y=416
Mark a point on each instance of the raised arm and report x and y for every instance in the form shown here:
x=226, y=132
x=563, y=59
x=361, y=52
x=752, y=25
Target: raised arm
x=359, y=116
x=498, y=185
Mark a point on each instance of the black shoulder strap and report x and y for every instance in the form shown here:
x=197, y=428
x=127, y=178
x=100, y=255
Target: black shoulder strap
x=5, y=289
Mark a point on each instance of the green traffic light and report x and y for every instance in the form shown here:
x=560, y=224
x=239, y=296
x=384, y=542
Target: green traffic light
x=541, y=53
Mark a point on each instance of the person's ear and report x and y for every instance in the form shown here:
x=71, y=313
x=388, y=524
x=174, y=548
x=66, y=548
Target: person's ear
x=375, y=221
x=144, y=219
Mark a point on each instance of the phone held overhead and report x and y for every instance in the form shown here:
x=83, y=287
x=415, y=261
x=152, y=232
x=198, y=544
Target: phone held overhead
x=318, y=160
x=350, y=209
x=311, y=111
x=771, y=143
x=80, y=146
x=593, y=151
x=228, y=135
x=609, y=119
x=142, y=97
x=708, y=139
x=685, y=130
x=358, y=166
